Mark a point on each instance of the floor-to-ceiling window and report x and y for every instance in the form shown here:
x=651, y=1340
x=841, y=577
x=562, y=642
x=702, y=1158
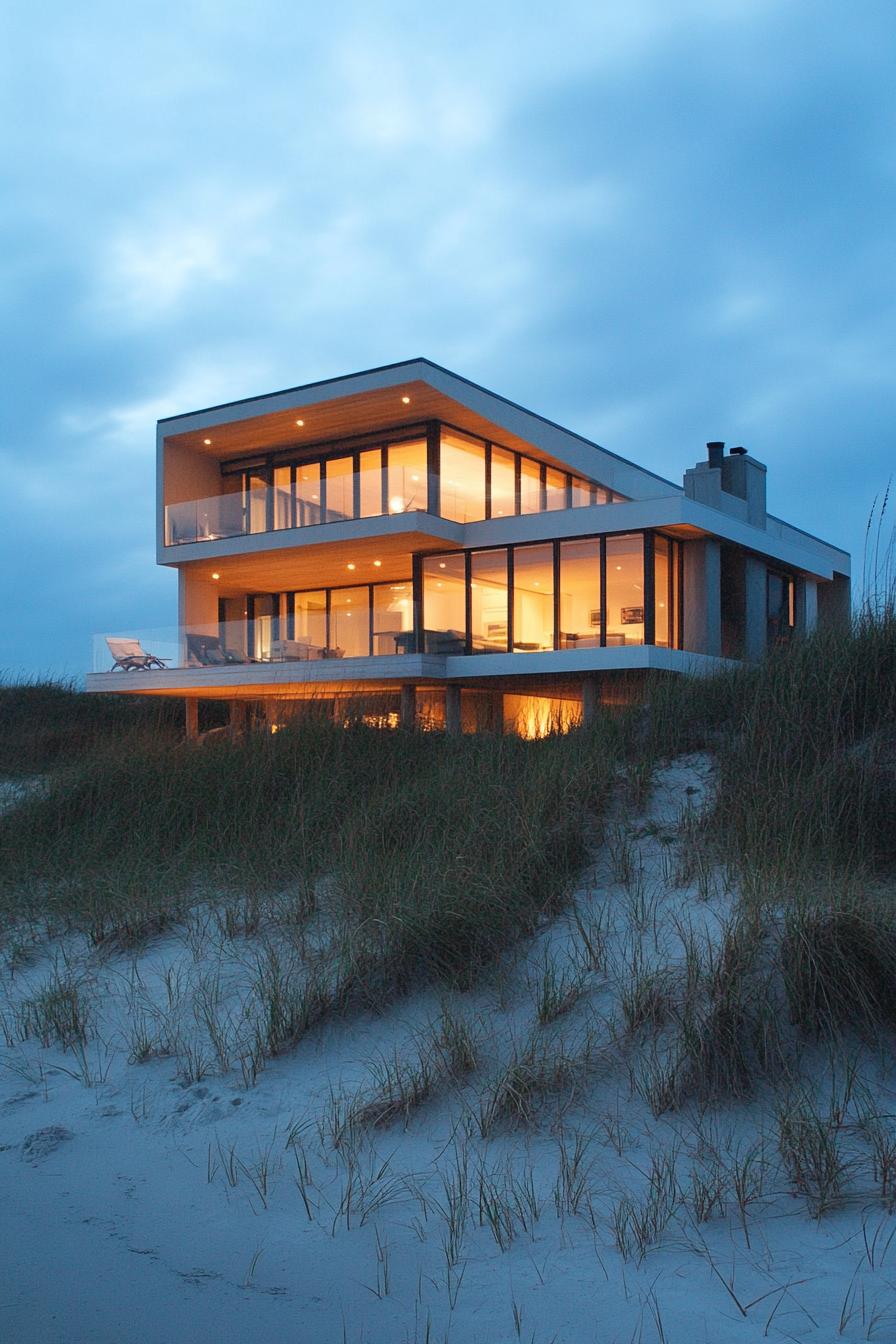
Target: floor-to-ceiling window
x=580, y=608
x=350, y=622
x=393, y=618
x=462, y=477
x=407, y=476
x=503, y=483
x=283, y=497
x=625, y=589
x=555, y=489
x=340, y=488
x=444, y=603
x=533, y=598
x=530, y=486
x=309, y=620
x=488, y=601
x=370, y=465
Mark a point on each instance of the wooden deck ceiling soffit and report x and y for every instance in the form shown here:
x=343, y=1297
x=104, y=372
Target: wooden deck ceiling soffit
x=399, y=408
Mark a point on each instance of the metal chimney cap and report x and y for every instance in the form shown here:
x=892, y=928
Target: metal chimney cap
x=738, y=452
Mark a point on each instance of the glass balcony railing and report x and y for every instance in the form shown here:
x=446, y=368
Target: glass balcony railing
x=231, y=643
x=270, y=508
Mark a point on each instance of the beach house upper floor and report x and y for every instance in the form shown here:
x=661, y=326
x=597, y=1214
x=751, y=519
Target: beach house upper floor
x=406, y=526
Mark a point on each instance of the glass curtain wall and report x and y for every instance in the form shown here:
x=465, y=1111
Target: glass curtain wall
x=530, y=486
x=407, y=476
x=533, y=598
x=488, y=601
x=503, y=483
x=309, y=621
x=350, y=622
x=462, y=477
x=580, y=609
x=393, y=618
x=625, y=589
x=371, y=470
x=340, y=478
x=444, y=603
x=283, y=497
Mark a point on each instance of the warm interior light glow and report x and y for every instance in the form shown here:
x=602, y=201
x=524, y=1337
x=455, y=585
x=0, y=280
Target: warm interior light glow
x=396, y=504
x=207, y=442
x=441, y=564
x=216, y=575
x=350, y=565
x=300, y=423
x=377, y=564
x=406, y=401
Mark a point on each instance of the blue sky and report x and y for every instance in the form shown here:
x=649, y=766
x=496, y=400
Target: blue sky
x=656, y=224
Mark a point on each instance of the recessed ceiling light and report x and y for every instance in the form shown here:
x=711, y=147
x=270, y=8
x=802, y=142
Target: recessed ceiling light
x=406, y=401
x=350, y=565
x=207, y=442
x=216, y=575
x=377, y=564
x=300, y=423
x=441, y=564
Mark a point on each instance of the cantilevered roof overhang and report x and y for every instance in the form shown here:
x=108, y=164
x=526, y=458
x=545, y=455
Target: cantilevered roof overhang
x=410, y=392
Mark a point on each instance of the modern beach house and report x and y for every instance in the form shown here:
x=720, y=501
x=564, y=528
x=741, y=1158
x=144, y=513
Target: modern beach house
x=405, y=541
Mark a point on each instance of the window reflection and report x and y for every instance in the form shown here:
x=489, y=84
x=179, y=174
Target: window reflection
x=533, y=598
x=488, y=601
x=444, y=604
x=625, y=589
x=462, y=477
x=580, y=611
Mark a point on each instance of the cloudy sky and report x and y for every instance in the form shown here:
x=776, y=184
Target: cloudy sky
x=654, y=223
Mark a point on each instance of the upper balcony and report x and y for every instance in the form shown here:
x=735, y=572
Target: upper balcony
x=433, y=469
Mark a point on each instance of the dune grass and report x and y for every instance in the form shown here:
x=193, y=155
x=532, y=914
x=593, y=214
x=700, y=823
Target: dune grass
x=435, y=851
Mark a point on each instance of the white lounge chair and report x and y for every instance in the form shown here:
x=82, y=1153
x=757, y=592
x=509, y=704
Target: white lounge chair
x=129, y=656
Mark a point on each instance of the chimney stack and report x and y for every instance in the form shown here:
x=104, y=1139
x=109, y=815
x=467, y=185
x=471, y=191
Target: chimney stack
x=715, y=452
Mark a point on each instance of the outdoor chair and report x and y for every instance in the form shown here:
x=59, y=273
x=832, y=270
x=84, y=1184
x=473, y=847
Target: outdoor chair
x=129, y=656
x=208, y=651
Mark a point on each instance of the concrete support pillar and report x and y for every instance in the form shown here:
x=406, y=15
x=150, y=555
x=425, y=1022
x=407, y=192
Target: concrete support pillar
x=452, y=709
x=806, y=605
x=703, y=596
x=590, y=699
x=755, y=608
x=407, y=710
x=239, y=717
x=191, y=723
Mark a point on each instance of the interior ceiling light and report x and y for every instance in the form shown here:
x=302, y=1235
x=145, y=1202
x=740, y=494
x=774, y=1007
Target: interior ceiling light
x=216, y=575
x=406, y=401
x=207, y=442
x=350, y=565
x=377, y=564
x=300, y=423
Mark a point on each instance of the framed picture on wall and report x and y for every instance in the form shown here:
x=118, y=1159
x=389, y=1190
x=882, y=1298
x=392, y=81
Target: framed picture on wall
x=594, y=618
x=632, y=616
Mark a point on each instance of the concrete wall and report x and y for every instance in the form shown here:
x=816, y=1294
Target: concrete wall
x=702, y=597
